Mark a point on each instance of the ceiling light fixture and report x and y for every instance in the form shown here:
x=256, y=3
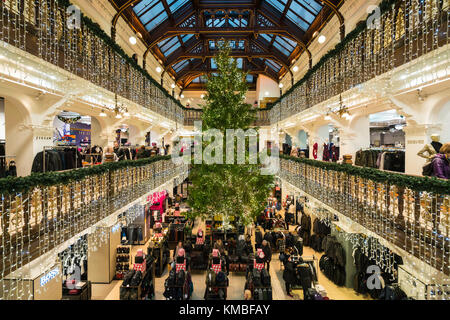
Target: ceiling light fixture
x=267, y=93
x=295, y=69
x=158, y=69
x=172, y=86
x=103, y=113
x=280, y=85
x=182, y=96
x=202, y=96
x=327, y=117
x=133, y=40
x=322, y=39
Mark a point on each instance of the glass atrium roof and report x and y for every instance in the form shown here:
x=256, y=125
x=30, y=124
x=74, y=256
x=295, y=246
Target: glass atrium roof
x=153, y=13
x=301, y=12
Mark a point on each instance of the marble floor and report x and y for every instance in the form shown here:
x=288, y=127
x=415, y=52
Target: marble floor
x=236, y=280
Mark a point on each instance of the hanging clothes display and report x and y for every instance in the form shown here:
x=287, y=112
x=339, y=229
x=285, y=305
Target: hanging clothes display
x=326, y=153
x=368, y=251
x=93, y=154
x=315, y=149
x=57, y=159
x=381, y=158
x=332, y=263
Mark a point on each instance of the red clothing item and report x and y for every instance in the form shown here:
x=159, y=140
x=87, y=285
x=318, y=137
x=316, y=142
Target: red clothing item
x=216, y=268
x=258, y=266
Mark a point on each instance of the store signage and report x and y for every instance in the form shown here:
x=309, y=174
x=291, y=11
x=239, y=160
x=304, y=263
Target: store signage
x=155, y=197
x=49, y=276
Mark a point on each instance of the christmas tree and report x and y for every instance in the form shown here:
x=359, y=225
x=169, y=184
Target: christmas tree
x=228, y=189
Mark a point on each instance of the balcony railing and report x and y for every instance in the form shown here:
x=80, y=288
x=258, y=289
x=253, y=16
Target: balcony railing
x=41, y=27
x=410, y=212
x=191, y=115
x=40, y=212
x=406, y=30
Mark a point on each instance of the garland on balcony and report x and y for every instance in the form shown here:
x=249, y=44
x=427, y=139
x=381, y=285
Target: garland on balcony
x=384, y=6
x=427, y=184
x=11, y=185
x=98, y=31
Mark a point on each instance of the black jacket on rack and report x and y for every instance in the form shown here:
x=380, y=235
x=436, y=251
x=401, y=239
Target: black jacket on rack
x=394, y=161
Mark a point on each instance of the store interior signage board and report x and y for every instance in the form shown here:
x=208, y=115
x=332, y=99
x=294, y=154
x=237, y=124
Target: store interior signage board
x=49, y=276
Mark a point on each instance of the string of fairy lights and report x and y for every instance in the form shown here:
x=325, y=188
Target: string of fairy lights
x=81, y=52
x=43, y=219
x=408, y=30
x=416, y=222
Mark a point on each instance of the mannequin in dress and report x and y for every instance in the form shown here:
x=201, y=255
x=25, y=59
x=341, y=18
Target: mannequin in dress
x=430, y=149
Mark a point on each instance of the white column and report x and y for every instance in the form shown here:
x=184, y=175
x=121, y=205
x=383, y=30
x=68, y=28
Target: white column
x=354, y=137
x=416, y=136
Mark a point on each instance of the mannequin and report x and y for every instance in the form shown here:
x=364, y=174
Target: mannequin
x=429, y=150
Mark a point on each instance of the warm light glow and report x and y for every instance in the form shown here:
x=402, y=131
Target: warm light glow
x=126, y=114
x=182, y=96
x=118, y=116
x=202, y=96
x=322, y=39
x=346, y=115
x=158, y=69
x=133, y=40
x=280, y=85
x=172, y=86
x=295, y=69
x=327, y=117
x=103, y=114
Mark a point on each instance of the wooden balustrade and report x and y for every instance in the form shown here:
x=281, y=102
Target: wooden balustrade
x=406, y=31
x=41, y=27
x=417, y=221
x=34, y=222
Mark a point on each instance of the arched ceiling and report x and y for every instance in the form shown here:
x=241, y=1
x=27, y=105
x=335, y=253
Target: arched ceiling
x=265, y=35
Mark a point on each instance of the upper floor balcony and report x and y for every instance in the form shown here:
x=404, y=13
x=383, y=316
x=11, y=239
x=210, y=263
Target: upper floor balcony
x=395, y=34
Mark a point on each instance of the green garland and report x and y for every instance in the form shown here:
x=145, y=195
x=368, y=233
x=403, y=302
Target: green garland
x=11, y=185
x=98, y=31
x=439, y=186
x=360, y=27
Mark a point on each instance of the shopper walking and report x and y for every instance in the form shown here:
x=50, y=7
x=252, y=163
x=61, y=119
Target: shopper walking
x=441, y=162
x=289, y=275
x=109, y=156
x=267, y=253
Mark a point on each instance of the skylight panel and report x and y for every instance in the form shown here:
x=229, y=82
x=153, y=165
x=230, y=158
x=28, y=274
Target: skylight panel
x=176, y=4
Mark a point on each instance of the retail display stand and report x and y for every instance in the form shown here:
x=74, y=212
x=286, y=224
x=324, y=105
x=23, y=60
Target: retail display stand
x=78, y=291
x=123, y=260
x=30, y=279
x=176, y=234
x=157, y=247
x=130, y=292
x=145, y=288
x=102, y=254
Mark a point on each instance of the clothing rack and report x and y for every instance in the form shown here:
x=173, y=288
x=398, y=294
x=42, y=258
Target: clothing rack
x=315, y=262
x=47, y=148
x=393, y=149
